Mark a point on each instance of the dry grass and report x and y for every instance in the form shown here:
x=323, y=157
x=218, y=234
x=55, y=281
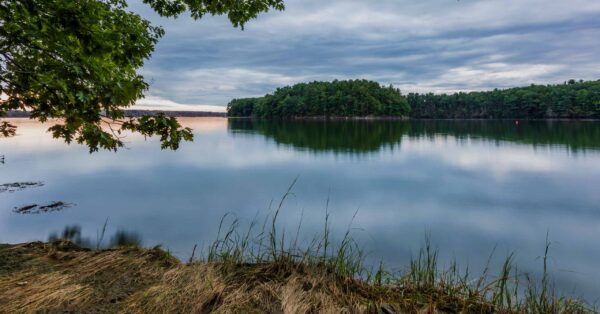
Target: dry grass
x=261, y=270
x=61, y=277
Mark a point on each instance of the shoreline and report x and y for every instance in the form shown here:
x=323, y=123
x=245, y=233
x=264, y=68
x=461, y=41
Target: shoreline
x=263, y=270
x=140, y=113
x=201, y=114
x=61, y=276
x=323, y=118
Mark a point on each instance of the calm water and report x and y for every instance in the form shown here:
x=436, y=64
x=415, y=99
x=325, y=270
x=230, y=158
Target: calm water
x=471, y=185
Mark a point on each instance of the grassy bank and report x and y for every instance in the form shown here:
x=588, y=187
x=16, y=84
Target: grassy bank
x=63, y=277
x=259, y=269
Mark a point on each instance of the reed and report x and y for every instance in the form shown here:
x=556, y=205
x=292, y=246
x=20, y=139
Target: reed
x=264, y=268
x=423, y=284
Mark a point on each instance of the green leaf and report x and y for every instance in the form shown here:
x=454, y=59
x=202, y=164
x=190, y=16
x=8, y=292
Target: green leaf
x=79, y=61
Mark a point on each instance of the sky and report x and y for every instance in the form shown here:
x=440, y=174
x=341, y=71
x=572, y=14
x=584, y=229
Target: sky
x=416, y=45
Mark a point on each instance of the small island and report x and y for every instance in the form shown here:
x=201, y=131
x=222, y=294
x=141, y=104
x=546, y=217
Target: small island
x=353, y=98
x=362, y=98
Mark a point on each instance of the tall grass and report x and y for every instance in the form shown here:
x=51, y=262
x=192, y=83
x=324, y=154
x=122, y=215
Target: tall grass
x=272, y=245
x=421, y=283
x=424, y=284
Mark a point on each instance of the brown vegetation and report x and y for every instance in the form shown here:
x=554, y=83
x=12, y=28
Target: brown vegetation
x=63, y=277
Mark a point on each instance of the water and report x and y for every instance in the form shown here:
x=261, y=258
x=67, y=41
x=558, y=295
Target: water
x=471, y=185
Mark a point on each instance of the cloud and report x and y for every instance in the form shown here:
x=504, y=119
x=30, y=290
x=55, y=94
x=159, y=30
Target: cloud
x=158, y=103
x=434, y=45
x=485, y=76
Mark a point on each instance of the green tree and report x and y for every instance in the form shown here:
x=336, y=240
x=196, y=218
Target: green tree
x=573, y=99
x=78, y=60
x=357, y=98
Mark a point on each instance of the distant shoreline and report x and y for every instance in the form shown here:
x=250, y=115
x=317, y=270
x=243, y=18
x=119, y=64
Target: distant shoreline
x=185, y=114
x=384, y=118
x=320, y=118
x=141, y=113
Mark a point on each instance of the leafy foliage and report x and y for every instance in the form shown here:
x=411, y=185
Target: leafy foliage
x=338, y=98
x=238, y=12
x=171, y=132
x=364, y=98
x=78, y=61
x=7, y=129
x=569, y=100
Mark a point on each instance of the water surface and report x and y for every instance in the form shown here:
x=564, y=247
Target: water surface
x=472, y=185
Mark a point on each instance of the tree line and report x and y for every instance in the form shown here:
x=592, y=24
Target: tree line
x=572, y=99
x=325, y=99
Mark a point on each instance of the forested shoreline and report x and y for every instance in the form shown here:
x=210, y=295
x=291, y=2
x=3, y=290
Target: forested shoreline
x=570, y=100
x=353, y=98
x=361, y=98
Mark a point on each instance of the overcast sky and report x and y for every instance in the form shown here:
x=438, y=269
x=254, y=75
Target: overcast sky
x=416, y=45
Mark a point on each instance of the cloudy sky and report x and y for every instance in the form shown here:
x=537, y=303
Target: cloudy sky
x=416, y=45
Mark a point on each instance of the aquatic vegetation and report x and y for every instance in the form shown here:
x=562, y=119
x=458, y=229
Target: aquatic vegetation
x=260, y=270
x=39, y=209
x=31, y=208
x=238, y=276
x=18, y=186
x=423, y=285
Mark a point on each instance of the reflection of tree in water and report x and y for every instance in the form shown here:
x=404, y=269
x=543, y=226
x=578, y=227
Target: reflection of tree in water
x=574, y=135
x=347, y=136
x=119, y=239
x=363, y=136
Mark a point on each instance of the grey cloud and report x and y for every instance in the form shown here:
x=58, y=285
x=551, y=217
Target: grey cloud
x=437, y=45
